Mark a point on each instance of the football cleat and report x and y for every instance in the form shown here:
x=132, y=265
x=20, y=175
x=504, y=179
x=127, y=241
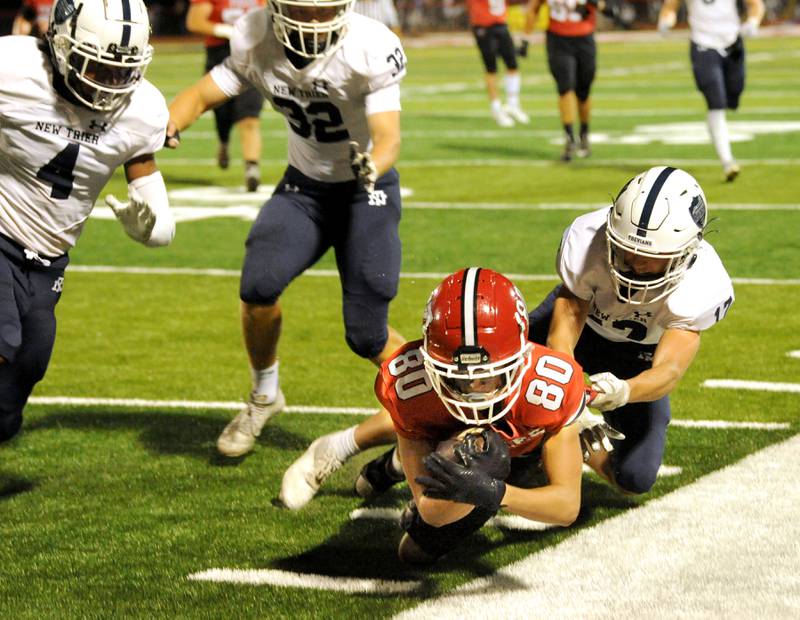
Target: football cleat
x=569, y=150
x=731, y=171
x=223, y=159
x=239, y=436
x=584, y=148
x=252, y=177
x=304, y=477
x=516, y=114
x=502, y=118
x=378, y=476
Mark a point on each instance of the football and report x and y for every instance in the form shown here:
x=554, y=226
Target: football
x=447, y=446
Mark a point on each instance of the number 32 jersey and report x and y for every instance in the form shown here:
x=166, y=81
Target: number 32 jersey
x=552, y=396
x=327, y=102
x=58, y=156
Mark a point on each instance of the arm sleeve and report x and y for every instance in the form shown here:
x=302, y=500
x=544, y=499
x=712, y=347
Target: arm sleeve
x=386, y=67
x=383, y=100
x=570, y=264
x=154, y=191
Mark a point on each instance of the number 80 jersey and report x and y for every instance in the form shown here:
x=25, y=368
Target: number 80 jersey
x=552, y=396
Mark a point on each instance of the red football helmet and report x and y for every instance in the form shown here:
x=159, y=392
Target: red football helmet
x=475, y=346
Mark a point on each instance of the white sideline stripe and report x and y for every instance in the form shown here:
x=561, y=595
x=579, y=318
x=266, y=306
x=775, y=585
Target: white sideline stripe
x=794, y=354
x=725, y=546
x=286, y=579
x=312, y=409
x=761, y=386
x=663, y=471
x=570, y=206
x=333, y=273
x=508, y=522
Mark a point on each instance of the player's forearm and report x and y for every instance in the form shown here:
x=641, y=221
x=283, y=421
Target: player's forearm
x=755, y=11
x=385, y=135
x=186, y=108
x=553, y=503
x=669, y=12
x=566, y=325
x=654, y=383
x=532, y=15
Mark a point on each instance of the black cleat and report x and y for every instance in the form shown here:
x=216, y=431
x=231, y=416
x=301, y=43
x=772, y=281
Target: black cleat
x=378, y=476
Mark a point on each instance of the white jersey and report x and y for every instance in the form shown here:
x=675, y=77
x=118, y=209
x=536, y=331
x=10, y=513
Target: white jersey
x=326, y=103
x=58, y=156
x=701, y=299
x=715, y=24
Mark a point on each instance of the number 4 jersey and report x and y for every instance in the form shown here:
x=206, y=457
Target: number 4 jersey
x=57, y=156
x=552, y=396
x=326, y=103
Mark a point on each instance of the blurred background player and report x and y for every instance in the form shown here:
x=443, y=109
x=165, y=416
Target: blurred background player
x=214, y=19
x=32, y=18
x=382, y=11
x=335, y=76
x=639, y=285
x=488, y=19
x=572, y=58
x=70, y=115
x=718, y=61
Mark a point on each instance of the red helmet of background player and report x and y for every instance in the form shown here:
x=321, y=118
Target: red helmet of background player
x=476, y=331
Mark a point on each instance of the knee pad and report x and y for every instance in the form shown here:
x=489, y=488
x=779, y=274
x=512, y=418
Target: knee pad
x=9, y=425
x=437, y=541
x=366, y=332
x=635, y=480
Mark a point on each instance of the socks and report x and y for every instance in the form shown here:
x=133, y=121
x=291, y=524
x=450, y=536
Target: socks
x=584, y=129
x=496, y=105
x=512, y=89
x=569, y=132
x=344, y=443
x=718, y=128
x=265, y=381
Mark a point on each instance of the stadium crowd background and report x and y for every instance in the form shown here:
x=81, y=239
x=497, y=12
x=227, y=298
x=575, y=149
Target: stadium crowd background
x=422, y=16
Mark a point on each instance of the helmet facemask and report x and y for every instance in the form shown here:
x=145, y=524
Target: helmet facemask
x=311, y=28
x=101, y=58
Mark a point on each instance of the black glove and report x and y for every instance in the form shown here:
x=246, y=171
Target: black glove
x=522, y=48
x=464, y=484
x=487, y=451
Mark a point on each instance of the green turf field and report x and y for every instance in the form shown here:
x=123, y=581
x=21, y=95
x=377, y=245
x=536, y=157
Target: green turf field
x=105, y=510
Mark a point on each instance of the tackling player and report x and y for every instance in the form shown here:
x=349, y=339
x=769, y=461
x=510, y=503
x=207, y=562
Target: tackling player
x=215, y=18
x=335, y=76
x=488, y=20
x=72, y=110
x=717, y=52
x=639, y=285
x=475, y=367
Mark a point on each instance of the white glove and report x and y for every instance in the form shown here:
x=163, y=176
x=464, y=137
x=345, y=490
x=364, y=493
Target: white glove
x=363, y=167
x=222, y=31
x=136, y=216
x=612, y=392
x=595, y=434
x=749, y=28
x=666, y=23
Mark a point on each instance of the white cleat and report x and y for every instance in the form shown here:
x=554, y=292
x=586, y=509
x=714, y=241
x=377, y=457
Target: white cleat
x=516, y=114
x=239, y=436
x=502, y=118
x=304, y=477
x=731, y=171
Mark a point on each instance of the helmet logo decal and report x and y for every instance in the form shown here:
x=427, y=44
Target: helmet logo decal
x=469, y=300
x=698, y=211
x=63, y=11
x=647, y=211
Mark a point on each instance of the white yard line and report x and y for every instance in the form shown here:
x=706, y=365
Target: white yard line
x=759, y=386
x=726, y=546
x=332, y=273
x=143, y=403
x=287, y=579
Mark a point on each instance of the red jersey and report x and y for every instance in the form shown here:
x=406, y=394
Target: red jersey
x=227, y=12
x=552, y=396
x=566, y=21
x=487, y=12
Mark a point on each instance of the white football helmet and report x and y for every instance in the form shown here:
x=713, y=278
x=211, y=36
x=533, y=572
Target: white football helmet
x=658, y=214
x=101, y=48
x=311, y=28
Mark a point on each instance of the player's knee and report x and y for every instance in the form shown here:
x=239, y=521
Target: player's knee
x=366, y=339
x=635, y=479
x=10, y=423
x=582, y=92
x=424, y=544
x=258, y=286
